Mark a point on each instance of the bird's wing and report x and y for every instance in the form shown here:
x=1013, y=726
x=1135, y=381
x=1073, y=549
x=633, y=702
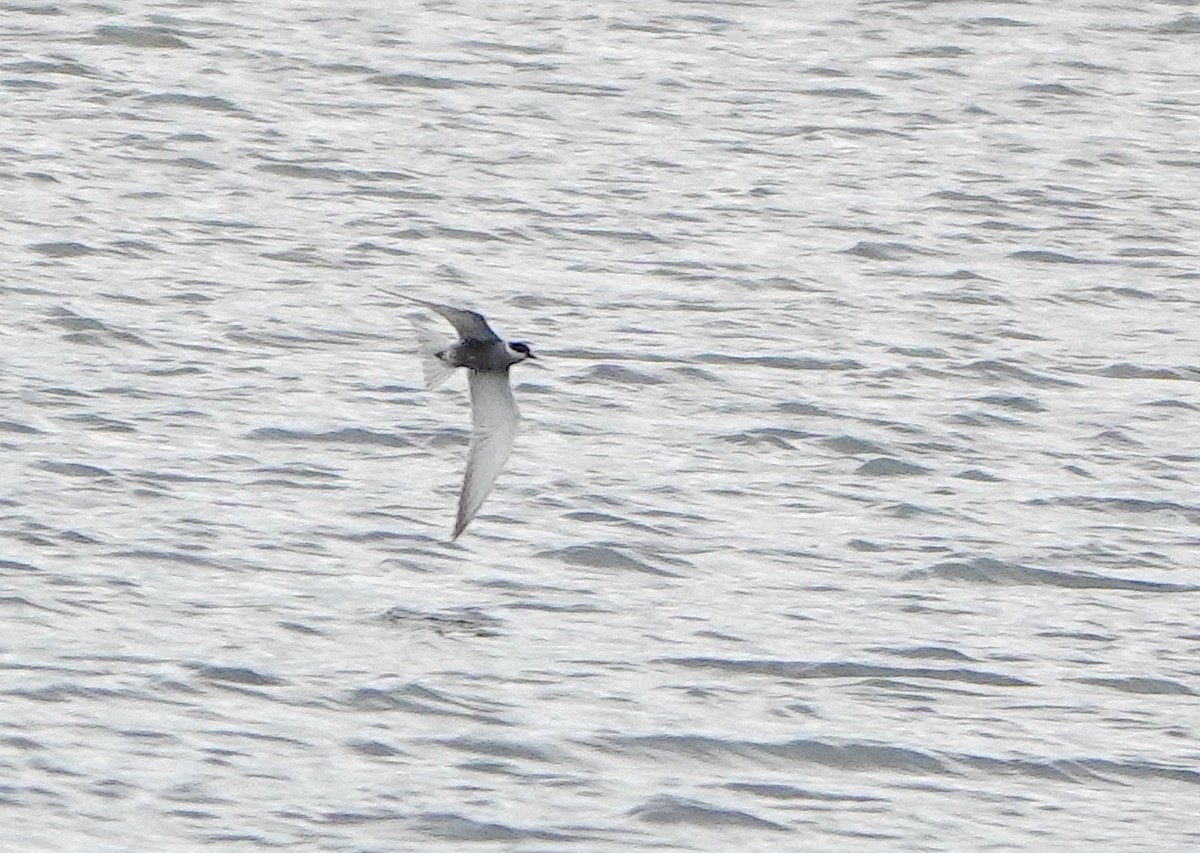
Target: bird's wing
x=494, y=426
x=468, y=324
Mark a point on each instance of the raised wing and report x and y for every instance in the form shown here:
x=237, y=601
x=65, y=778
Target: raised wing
x=468, y=324
x=494, y=419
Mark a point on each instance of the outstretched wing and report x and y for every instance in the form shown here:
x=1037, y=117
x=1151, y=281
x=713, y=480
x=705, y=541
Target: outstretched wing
x=494, y=419
x=468, y=324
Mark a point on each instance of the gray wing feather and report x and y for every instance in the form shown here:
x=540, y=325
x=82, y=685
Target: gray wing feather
x=468, y=324
x=494, y=419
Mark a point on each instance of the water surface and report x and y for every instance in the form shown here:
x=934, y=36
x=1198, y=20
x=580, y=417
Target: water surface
x=855, y=502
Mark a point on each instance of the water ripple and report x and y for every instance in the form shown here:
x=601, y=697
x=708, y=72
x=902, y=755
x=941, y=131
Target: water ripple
x=986, y=570
x=855, y=492
x=803, y=670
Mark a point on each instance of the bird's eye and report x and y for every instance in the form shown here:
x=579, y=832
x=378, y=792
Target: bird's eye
x=521, y=348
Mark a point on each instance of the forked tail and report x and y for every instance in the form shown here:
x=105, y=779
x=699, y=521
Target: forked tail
x=429, y=345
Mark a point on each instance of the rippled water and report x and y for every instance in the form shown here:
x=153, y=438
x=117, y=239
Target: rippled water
x=856, y=498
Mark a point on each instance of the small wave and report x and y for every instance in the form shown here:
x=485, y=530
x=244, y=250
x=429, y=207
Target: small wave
x=414, y=699
x=1142, y=686
x=346, y=818
x=76, y=469
x=912, y=510
x=1174, y=404
x=509, y=48
x=1014, y=402
x=925, y=653
x=601, y=556
x=374, y=749
x=969, y=295
x=29, y=85
x=1054, y=89
x=979, y=475
x=774, y=436
x=802, y=409
x=347, y=435
x=686, y=275
x=1133, y=505
x=805, y=670
x=65, y=249
x=854, y=756
x=842, y=93
x=849, y=445
x=298, y=628
x=494, y=748
x=667, y=810
x=23, y=429
x=465, y=621
x=1143, y=770
x=1125, y=370
x=697, y=373
x=180, y=557
x=337, y=174
x=298, y=477
x=172, y=477
x=1087, y=771
x=1059, y=770
x=994, y=367
x=454, y=827
x=402, y=80
x=1085, y=636
x=876, y=758
x=167, y=372
x=101, y=423
x=212, y=103
x=1044, y=256
x=621, y=235
x=941, y=51
x=987, y=570
x=1186, y=24
x=785, y=362
x=983, y=419
x=238, y=675
x=883, y=466
x=126, y=36
x=68, y=67
x=867, y=546
x=773, y=791
x=578, y=88
x=592, y=517
x=619, y=375
x=874, y=251
x=196, y=164
x=89, y=330
x=67, y=691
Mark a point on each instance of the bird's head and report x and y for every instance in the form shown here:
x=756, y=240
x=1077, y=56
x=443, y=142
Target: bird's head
x=519, y=351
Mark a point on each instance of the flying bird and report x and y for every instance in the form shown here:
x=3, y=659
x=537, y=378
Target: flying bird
x=494, y=412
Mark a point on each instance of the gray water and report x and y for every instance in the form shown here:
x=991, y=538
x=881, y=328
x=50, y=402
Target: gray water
x=855, y=504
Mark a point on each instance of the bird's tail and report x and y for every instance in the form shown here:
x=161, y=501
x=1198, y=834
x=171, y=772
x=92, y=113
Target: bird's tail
x=429, y=345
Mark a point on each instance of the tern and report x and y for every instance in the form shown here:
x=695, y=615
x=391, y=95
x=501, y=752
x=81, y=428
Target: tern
x=494, y=413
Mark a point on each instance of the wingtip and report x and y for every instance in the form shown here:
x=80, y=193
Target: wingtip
x=398, y=295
